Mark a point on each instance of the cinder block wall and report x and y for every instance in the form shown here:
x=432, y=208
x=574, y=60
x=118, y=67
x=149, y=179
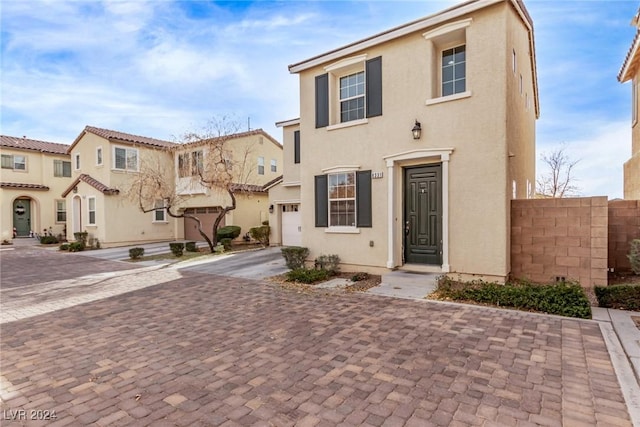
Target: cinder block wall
x=555, y=238
x=624, y=226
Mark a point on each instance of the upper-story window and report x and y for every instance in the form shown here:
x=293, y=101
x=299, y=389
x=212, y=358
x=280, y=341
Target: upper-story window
x=274, y=165
x=260, y=165
x=99, y=156
x=454, y=70
x=77, y=160
x=15, y=162
x=125, y=159
x=190, y=164
x=352, y=97
x=62, y=168
x=357, y=85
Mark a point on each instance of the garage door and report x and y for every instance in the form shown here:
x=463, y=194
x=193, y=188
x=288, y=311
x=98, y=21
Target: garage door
x=207, y=215
x=291, y=225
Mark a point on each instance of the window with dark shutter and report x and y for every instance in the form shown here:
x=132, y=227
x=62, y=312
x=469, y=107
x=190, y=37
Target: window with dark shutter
x=322, y=101
x=296, y=146
x=374, y=87
x=363, y=199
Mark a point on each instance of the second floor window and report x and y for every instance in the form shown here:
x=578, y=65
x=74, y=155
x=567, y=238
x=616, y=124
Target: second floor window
x=125, y=159
x=61, y=210
x=454, y=73
x=274, y=165
x=352, y=97
x=260, y=165
x=17, y=163
x=77, y=158
x=99, y=156
x=61, y=168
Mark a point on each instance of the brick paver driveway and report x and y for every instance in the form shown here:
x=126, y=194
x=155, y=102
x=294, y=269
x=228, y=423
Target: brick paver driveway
x=212, y=350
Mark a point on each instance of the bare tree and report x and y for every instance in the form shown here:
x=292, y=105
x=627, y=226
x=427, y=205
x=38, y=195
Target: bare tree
x=559, y=180
x=209, y=164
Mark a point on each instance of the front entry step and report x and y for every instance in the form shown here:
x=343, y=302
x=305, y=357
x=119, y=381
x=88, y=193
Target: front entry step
x=405, y=284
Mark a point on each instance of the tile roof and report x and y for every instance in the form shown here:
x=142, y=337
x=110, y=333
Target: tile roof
x=24, y=186
x=259, y=131
x=272, y=183
x=33, y=145
x=92, y=182
x=251, y=188
x=127, y=138
x=630, y=64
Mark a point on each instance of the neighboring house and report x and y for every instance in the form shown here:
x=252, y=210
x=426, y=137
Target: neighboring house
x=411, y=144
x=254, y=158
x=629, y=71
x=33, y=176
x=104, y=162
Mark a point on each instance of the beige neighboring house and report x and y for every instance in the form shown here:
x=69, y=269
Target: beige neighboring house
x=103, y=164
x=629, y=71
x=33, y=176
x=412, y=143
x=255, y=159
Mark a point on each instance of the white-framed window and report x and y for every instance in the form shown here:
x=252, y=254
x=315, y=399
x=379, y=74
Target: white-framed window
x=197, y=162
x=159, y=214
x=260, y=165
x=274, y=165
x=99, y=156
x=77, y=161
x=184, y=165
x=125, y=159
x=352, y=97
x=454, y=70
x=61, y=210
x=15, y=162
x=342, y=199
x=61, y=168
x=514, y=62
x=91, y=204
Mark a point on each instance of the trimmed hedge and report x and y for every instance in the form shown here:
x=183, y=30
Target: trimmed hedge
x=48, y=240
x=76, y=246
x=136, y=253
x=226, y=243
x=304, y=275
x=191, y=247
x=294, y=256
x=564, y=299
x=261, y=234
x=623, y=297
x=177, y=248
x=228, y=232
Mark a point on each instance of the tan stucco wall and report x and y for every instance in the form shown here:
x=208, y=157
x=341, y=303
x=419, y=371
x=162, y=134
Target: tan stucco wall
x=278, y=196
x=291, y=173
x=475, y=127
x=251, y=210
x=632, y=166
x=43, y=207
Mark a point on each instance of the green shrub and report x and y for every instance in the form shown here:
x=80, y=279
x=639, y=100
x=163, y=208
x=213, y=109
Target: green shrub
x=64, y=247
x=81, y=236
x=177, y=248
x=226, y=243
x=329, y=263
x=634, y=256
x=191, y=247
x=261, y=234
x=48, y=240
x=565, y=299
x=624, y=297
x=304, y=275
x=76, y=247
x=136, y=253
x=228, y=232
x=294, y=256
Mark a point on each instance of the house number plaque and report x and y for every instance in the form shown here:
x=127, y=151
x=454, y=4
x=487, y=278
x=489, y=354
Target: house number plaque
x=376, y=175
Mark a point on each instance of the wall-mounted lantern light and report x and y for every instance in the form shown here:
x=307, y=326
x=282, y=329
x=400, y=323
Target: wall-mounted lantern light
x=270, y=208
x=417, y=130
x=75, y=189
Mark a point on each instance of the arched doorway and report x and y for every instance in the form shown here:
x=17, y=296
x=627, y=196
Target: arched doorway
x=22, y=217
x=77, y=214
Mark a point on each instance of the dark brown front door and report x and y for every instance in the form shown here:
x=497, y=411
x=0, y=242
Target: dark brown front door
x=423, y=215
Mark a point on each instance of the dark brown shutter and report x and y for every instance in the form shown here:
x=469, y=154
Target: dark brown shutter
x=296, y=146
x=322, y=201
x=374, y=87
x=322, y=101
x=363, y=199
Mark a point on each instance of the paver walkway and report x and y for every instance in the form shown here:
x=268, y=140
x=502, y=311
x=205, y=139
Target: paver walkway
x=211, y=350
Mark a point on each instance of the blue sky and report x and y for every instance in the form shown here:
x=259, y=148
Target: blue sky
x=160, y=68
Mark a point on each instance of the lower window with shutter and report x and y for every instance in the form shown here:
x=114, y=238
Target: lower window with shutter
x=343, y=199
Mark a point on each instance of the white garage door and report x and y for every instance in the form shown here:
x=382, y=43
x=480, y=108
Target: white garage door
x=291, y=225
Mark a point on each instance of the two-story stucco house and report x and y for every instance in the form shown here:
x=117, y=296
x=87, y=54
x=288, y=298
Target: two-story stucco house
x=630, y=72
x=411, y=144
x=105, y=162
x=33, y=176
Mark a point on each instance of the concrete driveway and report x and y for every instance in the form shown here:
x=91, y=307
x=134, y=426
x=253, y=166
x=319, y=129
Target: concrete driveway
x=192, y=348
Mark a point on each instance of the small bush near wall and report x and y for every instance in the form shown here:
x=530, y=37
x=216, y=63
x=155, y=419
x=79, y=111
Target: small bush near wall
x=228, y=232
x=330, y=263
x=226, y=243
x=623, y=297
x=304, y=275
x=565, y=299
x=294, y=256
x=76, y=246
x=81, y=236
x=177, y=248
x=634, y=256
x=191, y=247
x=64, y=247
x=261, y=234
x=48, y=240
x=136, y=253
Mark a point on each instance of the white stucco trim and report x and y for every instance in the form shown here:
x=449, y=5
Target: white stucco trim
x=342, y=230
x=292, y=184
x=441, y=99
x=341, y=168
x=348, y=124
x=347, y=62
x=287, y=202
x=447, y=28
x=394, y=162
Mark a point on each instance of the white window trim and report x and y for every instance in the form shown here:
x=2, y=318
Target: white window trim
x=348, y=124
x=261, y=164
x=341, y=229
x=454, y=97
x=26, y=163
x=164, y=215
x=343, y=68
x=113, y=155
x=76, y=162
x=99, y=156
x=56, y=211
x=95, y=210
x=447, y=28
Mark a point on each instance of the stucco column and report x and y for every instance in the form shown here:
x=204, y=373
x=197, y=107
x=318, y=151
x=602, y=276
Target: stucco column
x=445, y=212
x=390, y=215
